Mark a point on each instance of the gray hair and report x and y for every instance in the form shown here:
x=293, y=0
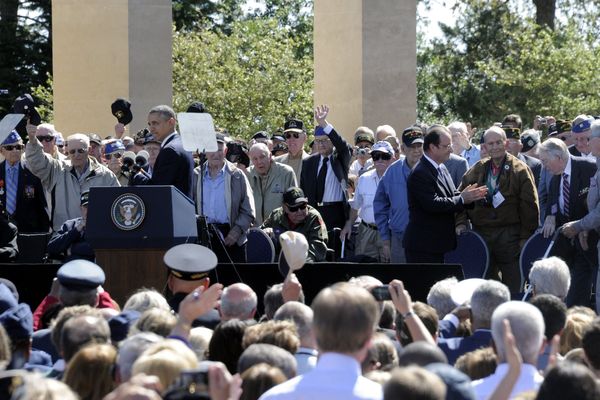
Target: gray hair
x=78, y=137
x=458, y=126
x=300, y=314
x=386, y=128
x=145, y=299
x=527, y=325
x=550, y=276
x=131, y=348
x=260, y=146
x=486, y=298
x=164, y=111
x=555, y=147
x=270, y=354
x=595, y=127
x=238, y=301
x=439, y=296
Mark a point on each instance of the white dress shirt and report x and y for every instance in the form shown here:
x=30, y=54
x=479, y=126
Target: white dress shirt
x=365, y=194
x=529, y=379
x=336, y=377
x=306, y=360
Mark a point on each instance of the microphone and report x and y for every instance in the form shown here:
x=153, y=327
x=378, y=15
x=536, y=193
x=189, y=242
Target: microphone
x=128, y=161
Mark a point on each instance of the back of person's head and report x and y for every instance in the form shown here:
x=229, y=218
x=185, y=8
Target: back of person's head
x=590, y=343
x=527, y=325
x=513, y=119
x=578, y=319
x=439, y=296
x=273, y=299
x=421, y=354
x=345, y=316
x=258, y=379
x=550, y=276
x=70, y=297
x=199, y=340
x=569, y=380
x=155, y=320
x=388, y=315
x=130, y=349
x=63, y=316
x=226, y=343
x=300, y=314
x=426, y=314
x=146, y=299
x=82, y=330
x=414, y=383
x=381, y=354
x=90, y=371
x=165, y=360
x=485, y=299
x=269, y=354
x=37, y=387
x=238, y=301
x=554, y=312
x=279, y=333
x=477, y=364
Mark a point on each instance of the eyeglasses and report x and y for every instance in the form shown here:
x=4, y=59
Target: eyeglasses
x=445, y=146
x=11, y=147
x=46, y=139
x=113, y=155
x=296, y=208
x=288, y=135
x=80, y=151
x=376, y=156
x=60, y=146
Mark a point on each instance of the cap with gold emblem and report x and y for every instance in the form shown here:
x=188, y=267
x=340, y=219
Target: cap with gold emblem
x=512, y=133
x=190, y=262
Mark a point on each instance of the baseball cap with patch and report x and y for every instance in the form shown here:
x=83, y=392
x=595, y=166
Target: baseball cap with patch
x=512, y=133
x=529, y=139
x=294, y=196
x=293, y=125
x=562, y=126
x=382, y=146
x=412, y=135
x=190, y=262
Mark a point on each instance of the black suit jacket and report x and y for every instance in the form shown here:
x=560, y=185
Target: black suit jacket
x=574, y=152
x=340, y=162
x=173, y=166
x=582, y=170
x=534, y=165
x=432, y=203
x=30, y=214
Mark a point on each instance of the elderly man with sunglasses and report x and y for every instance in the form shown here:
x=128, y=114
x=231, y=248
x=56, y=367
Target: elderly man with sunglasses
x=295, y=138
x=296, y=215
x=21, y=192
x=113, y=153
x=66, y=180
x=46, y=135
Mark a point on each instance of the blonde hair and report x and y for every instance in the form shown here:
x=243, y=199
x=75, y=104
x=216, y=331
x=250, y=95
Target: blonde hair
x=90, y=371
x=165, y=360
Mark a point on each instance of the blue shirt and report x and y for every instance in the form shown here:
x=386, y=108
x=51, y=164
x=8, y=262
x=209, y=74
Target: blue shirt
x=16, y=174
x=391, y=201
x=213, y=192
x=472, y=155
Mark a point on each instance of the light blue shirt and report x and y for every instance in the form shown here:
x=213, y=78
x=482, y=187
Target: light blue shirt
x=472, y=155
x=213, y=192
x=16, y=174
x=391, y=200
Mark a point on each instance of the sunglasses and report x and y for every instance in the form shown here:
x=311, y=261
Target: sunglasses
x=11, y=147
x=80, y=151
x=298, y=207
x=60, y=146
x=113, y=155
x=47, y=139
x=376, y=156
x=295, y=135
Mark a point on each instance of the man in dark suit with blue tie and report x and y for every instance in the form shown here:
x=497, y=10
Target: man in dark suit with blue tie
x=433, y=201
x=567, y=198
x=21, y=192
x=173, y=165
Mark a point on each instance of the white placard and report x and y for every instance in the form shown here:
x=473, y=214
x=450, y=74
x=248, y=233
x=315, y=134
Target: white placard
x=8, y=123
x=197, y=132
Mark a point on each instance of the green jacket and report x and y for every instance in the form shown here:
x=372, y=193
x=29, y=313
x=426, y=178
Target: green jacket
x=313, y=228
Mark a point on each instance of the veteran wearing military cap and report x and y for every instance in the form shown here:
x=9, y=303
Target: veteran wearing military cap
x=581, y=134
x=295, y=138
x=296, y=215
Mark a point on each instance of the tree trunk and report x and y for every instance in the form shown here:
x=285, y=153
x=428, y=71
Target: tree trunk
x=545, y=10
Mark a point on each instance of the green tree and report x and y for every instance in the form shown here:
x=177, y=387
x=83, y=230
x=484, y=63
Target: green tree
x=250, y=80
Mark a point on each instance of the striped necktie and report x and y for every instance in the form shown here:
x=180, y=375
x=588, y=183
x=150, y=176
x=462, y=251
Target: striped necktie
x=11, y=191
x=565, y=191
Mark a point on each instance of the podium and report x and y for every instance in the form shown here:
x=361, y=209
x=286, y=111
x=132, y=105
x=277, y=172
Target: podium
x=131, y=228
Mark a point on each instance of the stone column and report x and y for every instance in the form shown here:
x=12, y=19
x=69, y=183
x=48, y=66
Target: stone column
x=104, y=49
x=365, y=62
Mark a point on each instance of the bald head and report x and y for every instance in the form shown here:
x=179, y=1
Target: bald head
x=238, y=302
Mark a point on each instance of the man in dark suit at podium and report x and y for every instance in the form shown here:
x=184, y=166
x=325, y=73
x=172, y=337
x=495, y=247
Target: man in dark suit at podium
x=173, y=165
x=433, y=201
x=21, y=192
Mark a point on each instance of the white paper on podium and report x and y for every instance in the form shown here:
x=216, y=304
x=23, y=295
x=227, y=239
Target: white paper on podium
x=197, y=132
x=8, y=123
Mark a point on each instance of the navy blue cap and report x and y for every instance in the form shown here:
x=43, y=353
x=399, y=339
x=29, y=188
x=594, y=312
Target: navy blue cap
x=260, y=135
x=7, y=299
x=80, y=275
x=120, y=324
x=458, y=385
x=12, y=138
x=11, y=286
x=582, y=126
x=113, y=146
x=18, y=322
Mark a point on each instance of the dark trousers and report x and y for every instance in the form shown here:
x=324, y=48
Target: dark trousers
x=225, y=254
x=503, y=245
x=419, y=257
x=333, y=214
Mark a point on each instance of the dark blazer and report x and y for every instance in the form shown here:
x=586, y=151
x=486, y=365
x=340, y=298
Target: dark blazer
x=534, y=165
x=457, y=166
x=582, y=170
x=31, y=214
x=173, y=166
x=574, y=152
x=456, y=347
x=340, y=162
x=432, y=203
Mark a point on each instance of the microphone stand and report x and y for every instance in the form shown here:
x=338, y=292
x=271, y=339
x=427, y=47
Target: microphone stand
x=203, y=235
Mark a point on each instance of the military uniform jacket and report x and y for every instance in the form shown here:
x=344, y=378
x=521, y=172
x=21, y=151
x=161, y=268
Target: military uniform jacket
x=313, y=228
x=517, y=185
x=592, y=219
